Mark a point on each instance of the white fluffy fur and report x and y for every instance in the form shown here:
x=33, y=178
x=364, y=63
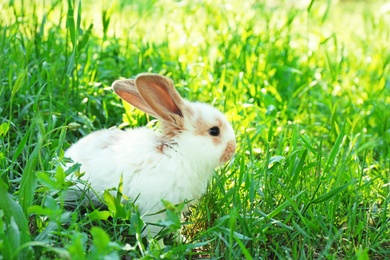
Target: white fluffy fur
x=178, y=173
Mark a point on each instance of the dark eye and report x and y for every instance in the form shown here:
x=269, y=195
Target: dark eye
x=214, y=131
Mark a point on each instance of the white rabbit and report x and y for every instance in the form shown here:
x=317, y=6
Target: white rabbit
x=173, y=165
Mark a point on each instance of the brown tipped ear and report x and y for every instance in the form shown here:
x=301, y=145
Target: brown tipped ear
x=159, y=93
x=125, y=88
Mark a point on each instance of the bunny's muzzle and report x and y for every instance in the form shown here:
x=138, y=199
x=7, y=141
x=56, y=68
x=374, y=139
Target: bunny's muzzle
x=229, y=151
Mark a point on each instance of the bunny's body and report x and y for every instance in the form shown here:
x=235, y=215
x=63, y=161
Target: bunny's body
x=173, y=165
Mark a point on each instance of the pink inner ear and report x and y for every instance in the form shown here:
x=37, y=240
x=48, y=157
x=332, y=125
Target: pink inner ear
x=164, y=98
x=128, y=92
x=159, y=93
x=135, y=100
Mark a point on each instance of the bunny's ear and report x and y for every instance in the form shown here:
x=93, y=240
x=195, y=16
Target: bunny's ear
x=160, y=95
x=125, y=88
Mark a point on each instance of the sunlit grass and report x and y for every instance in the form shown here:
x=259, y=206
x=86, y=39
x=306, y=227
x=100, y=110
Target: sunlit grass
x=306, y=88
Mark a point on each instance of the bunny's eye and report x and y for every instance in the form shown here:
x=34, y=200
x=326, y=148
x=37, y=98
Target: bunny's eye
x=214, y=131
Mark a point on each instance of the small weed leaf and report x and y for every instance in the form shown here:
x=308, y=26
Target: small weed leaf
x=136, y=223
x=77, y=246
x=75, y=168
x=45, y=179
x=102, y=247
x=173, y=215
x=39, y=210
x=99, y=215
x=15, y=230
x=114, y=205
x=362, y=254
x=100, y=238
x=4, y=129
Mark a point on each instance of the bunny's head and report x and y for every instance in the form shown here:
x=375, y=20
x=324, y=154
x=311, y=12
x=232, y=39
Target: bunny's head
x=199, y=132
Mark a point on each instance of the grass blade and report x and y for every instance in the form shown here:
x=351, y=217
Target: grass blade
x=29, y=180
x=243, y=249
x=70, y=23
x=298, y=168
x=283, y=206
x=335, y=149
x=327, y=196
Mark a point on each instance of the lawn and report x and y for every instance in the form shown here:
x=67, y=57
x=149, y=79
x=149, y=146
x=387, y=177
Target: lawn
x=306, y=87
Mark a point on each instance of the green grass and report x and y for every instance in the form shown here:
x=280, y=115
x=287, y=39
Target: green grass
x=307, y=90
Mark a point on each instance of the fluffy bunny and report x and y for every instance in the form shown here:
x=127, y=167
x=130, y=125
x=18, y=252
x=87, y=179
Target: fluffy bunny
x=174, y=164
